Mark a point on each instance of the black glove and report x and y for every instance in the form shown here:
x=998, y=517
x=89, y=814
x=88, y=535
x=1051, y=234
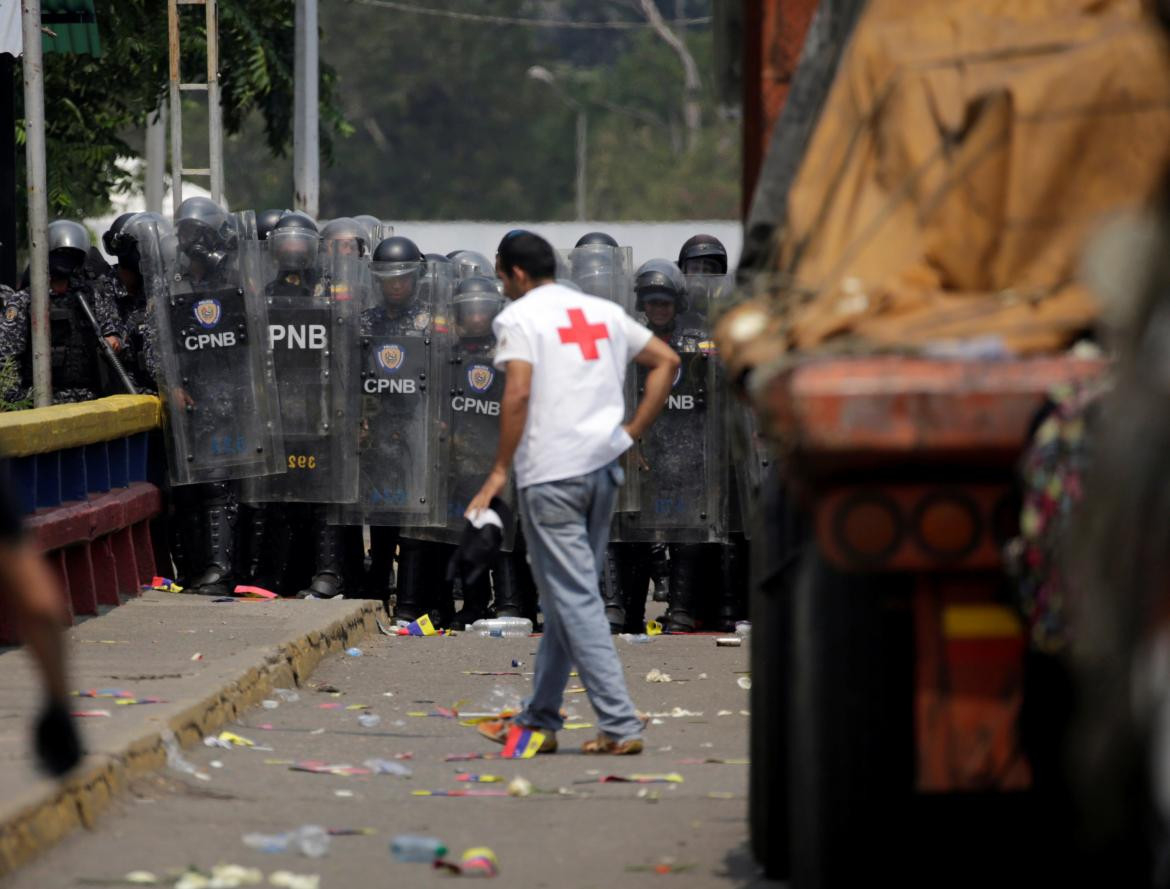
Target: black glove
x=479, y=548
x=56, y=741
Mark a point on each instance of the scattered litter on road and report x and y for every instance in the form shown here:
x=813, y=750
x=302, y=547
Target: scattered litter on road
x=417, y=849
x=269, y=704
x=711, y=760
x=197, y=656
x=344, y=794
x=651, y=796
x=310, y=840
x=354, y=652
x=664, y=778
x=728, y=641
x=574, y=726
x=664, y=868
x=725, y=713
x=320, y=767
x=369, y=720
x=743, y=628
x=657, y=675
x=287, y=695
x=720, y=794
x=234, y=740
x=388, y=767
x=288, y=880
x=353, y=831
x=653, y=628
x=469, y=778
x=477, y=862
x=84, y=714
x=703, y=676
x=329, y=705
x=744, y=682
x=516, y=662
x=358, y=707
x=491, y=673
x=636, y=638
x=469, y=792
x=176, y=760
x=520, y=787
x=163, y=585
x=216, y=763
x=326, y=688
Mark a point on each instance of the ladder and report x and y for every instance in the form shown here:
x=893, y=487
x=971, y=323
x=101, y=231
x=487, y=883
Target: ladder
x=214, y=169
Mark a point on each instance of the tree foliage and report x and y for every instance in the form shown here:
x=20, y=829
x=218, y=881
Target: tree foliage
x=95, y=108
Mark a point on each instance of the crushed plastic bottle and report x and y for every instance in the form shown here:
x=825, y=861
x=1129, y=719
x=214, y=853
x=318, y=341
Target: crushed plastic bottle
x=177, y=761
x=287, y=695
x=388, y=767
x=311, y=840
x=368, y=720
x=409, y=847
x=636, y=638
x=503, y=627
x=354, y=652
x=269, y=704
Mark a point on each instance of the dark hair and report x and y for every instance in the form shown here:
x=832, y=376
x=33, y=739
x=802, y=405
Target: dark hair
x=530, y=252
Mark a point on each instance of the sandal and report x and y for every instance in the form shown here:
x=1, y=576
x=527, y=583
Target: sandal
x=604, y=744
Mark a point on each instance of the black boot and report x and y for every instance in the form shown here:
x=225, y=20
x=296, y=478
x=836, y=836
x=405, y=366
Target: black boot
x=438, y=592
x=328, y=580
x=477, y=603
x=377, y=581
x=733, y=562
x=685, y=570
x=637, y=563
x=411, y=581
x=506, y=585
x=611, y=587
x=660, y=572
x=218, y=577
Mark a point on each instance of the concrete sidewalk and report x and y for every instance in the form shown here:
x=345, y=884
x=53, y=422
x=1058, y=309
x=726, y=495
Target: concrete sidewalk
x=149, y=646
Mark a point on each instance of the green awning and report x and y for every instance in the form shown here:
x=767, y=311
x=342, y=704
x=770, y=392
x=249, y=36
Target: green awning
x=74, y=24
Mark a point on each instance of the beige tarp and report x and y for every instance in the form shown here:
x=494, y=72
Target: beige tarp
x=966, y=152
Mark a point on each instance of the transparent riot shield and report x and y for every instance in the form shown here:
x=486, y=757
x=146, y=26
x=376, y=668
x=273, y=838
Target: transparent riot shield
x=313, y=336
x=471, y=418
x=402, y=381
x=682, y=460
x=750, y=458
x=219, y=413
x=608, y=273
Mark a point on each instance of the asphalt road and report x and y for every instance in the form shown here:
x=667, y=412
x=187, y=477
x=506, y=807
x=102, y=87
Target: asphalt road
x=570, y=833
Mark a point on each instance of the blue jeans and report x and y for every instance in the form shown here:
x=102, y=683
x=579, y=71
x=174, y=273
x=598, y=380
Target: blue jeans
x=566, y=524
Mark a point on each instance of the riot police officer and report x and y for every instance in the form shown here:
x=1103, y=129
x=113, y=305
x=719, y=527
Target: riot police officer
x=266, y=221
x=76, y=355
x=201, y=281
x=397, y=330
x=703, y=255
x=601, y=239
x=677, y=464
x=122, y=241
x=468, y=263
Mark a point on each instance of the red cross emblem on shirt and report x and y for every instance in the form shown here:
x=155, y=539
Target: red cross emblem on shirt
x=583, y=334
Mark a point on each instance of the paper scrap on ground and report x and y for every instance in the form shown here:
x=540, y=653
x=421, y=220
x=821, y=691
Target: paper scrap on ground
x=657, y=675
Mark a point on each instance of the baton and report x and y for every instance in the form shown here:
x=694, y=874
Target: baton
x=107, y=350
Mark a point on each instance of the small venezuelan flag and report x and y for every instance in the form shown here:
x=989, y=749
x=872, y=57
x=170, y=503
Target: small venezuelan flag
x=522, y=742
x=422, y=627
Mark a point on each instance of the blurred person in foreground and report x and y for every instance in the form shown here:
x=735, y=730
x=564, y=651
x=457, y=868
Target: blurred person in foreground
x=31, y=594
x=565, y=354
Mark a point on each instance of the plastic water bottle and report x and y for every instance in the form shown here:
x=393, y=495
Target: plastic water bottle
x=408, y=847
x=743, y=628
x=311, y=840
x=503, y=627
x=369, y=720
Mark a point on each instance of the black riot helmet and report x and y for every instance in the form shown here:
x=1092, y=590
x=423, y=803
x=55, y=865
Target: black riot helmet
x=397, y=266
x=266, y=221
x=141, y=227
x=68, y=247
x=596, y=238
x=477, y=301
x=203, y=231
x=108, y=238
x=703, y=255
x=293, y=242
x=660, y=278
x=345, y=236
x=593, y=268
x=469, y=264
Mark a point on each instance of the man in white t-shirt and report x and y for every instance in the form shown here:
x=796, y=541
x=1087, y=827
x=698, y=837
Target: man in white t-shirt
x=561, y=429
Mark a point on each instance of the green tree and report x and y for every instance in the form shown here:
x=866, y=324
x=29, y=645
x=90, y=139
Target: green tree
x=95, y=107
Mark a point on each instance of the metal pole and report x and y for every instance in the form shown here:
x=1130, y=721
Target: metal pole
x=306, y=150
x=8, y=196
x=156, y=158
x=214, y=111
x=176, y=109
x=582, y=143
x=38, y=206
